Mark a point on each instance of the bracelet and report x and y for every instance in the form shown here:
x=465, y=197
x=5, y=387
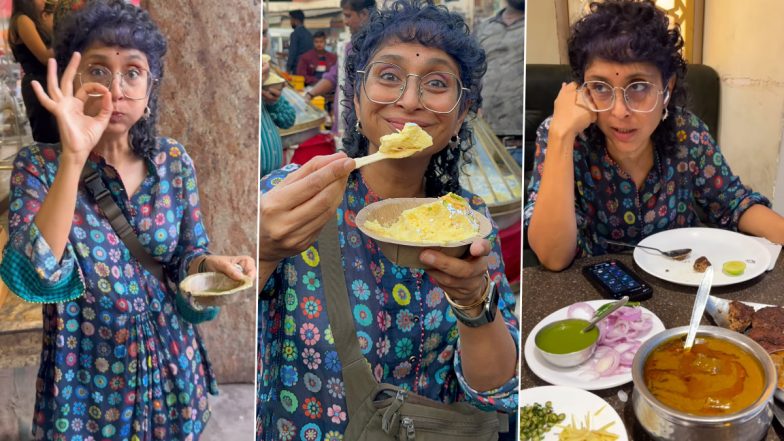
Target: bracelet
x=202, y=265
x=482, y=300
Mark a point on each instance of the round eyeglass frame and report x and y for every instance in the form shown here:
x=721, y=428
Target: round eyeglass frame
x=152, y=80
x=419, y=87
x=584, y=86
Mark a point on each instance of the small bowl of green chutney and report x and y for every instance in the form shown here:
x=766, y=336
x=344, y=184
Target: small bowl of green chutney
x=564, y=344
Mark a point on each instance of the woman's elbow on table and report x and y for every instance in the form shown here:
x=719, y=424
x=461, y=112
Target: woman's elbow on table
x=553, y=256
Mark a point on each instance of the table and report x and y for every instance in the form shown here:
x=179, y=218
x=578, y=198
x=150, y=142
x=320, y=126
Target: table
x=545, y=291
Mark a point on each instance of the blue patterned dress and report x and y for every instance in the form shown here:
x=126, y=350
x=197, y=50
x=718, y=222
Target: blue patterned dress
x=117, y=361
x=692, y=175
x=406, y=330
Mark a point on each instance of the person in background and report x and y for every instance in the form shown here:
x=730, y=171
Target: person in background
x=276, y=113
x=314, y=63
x=300, y=41
x=30, y=38
x=502, y=36
x=355, y=15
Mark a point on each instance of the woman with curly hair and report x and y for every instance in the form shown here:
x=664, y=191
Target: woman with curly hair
x=621, y=158
x=120, y=358
x=406, y=328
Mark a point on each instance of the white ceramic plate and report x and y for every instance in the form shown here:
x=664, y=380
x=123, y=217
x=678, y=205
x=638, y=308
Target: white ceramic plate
x=576, y=376
x=717, y=245
x=575, y=402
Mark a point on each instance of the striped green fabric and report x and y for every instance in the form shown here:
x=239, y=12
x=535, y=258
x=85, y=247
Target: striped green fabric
x=21, y=277
x=281, y=114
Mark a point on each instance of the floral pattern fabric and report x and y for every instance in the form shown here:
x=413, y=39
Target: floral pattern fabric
x=117, y=361
x=405, y=327
x=690, y=177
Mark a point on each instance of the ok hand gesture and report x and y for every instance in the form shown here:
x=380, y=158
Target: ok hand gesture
x=79, y=132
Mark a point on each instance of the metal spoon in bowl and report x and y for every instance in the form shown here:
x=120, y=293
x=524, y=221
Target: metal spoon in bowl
x=601, y=316
x=699, y=308
x=673, y=254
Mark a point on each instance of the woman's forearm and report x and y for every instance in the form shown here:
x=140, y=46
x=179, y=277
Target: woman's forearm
x=266, y=268
x=488, y=354
x=55, y=216
x=552, y=232
x=761, y=221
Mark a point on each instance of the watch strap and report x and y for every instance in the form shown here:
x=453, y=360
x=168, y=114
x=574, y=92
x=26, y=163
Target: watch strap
x=488, y=310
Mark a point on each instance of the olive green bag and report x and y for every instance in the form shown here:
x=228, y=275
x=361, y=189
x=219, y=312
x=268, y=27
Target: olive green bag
x=381, y=412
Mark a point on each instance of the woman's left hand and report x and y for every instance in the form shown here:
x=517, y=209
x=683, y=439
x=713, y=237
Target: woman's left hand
x=463, y=279
x=230, y=265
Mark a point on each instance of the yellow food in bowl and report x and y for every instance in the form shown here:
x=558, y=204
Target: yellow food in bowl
x=406, y=142
x=449, y=219
x=716, y=377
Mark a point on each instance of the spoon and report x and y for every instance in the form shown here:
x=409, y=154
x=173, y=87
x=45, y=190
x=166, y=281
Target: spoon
x=391, y=145
x=379, y=155
x=699, y=307
x=674, y=254
x=601, y=316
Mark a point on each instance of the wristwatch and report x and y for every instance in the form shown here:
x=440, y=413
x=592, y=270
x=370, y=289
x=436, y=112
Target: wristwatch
x=489, y=308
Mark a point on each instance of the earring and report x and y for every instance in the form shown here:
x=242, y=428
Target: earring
x=454, y=141
x=358, y=127
x=147, y=112
x=666, y=114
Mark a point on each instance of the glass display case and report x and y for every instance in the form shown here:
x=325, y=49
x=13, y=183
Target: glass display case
x=14, y=129
x=493, y=175
x=309, y=119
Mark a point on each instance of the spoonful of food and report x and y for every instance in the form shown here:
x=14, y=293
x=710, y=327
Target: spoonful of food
x=405, y=143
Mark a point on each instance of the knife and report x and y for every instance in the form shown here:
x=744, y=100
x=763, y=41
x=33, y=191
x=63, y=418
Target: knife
x=699, y=308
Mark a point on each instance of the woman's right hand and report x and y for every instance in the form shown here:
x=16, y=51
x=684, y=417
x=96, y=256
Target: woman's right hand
x=293, y=213
x=79, y=132
x=570, y=114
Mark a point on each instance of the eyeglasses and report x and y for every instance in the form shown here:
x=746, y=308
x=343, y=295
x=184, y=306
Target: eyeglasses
x=135, y=83
x=385, y=83
x=640, y=96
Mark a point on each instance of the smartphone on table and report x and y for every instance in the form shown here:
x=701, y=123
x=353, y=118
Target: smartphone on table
x=614, y=280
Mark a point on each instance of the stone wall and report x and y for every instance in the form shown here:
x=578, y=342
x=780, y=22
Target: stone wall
x=209, y=102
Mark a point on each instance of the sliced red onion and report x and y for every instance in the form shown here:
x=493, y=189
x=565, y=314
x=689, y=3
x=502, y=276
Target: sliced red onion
x=623, y=346
x=627, y=358
x=581, y=311
x=607, y=364
x=619, y=340
x=618, y=332
x=628, y=313
x=600, y=351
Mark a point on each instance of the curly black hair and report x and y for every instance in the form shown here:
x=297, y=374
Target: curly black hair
x=117, y=23
x=432, y=26
x=631, y=31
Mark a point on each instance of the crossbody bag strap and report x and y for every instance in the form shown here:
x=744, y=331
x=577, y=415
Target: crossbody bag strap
x=359, y=381
x=97, y=189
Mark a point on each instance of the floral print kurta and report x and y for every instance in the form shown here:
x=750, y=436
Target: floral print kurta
x=405, y=327
x=117, y=361
x=608, y=205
